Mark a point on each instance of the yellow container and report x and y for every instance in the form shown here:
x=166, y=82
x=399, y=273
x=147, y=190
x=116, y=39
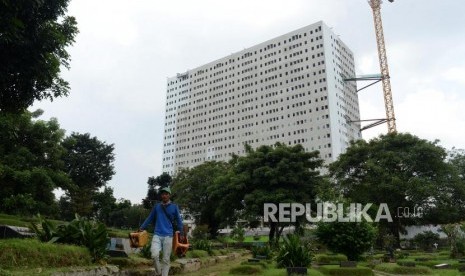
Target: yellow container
x=138, y=239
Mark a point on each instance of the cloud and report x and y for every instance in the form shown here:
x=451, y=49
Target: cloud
x=455, y=74
x=433, y=114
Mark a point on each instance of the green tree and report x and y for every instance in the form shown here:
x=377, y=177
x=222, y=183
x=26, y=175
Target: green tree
x=454, y=235
x=192, y=188
x=30, y=163
x=155, y=183
x=128, y=216
x=268, y=174
x=65, y=208
x=449, y=202
x=457, y=160
x=426, y=240
x=104, y=203
x=349, y=238
x=399, y=169
x=89, y=163
x=33, y=39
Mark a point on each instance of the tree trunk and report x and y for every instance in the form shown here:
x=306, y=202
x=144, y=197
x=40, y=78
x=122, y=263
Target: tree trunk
x=271, y=235
x=279, y=233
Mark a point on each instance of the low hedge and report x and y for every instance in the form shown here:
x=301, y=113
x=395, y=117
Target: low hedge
x=245, y=270
x=329, y=259
x=225, y=251
x=260, y=264
x=31, y=253
x=431, y=264
x=215, y=252
x=344, y=271
x=403, y=270
x=407, y=263
x=197, y=254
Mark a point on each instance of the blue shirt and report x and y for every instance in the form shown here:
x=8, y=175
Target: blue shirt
x=163, y=225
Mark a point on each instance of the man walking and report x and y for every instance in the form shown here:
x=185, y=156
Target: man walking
x=163, y=216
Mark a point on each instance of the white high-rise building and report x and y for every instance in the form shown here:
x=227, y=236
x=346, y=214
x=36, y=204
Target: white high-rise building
x=289, y=89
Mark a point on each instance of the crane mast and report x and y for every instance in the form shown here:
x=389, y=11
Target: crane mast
x=389, y=105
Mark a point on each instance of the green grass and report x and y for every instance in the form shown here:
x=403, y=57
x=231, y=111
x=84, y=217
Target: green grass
x=13, y=220
x=197, y=254
x=403, y=270
x=246, y=270
x=329, y=258
x=31, y=253
x=41, y=271
x=248, y=239
x=251, y=270
x=418, y=270
x=21, y=221
x=447, y=272
x=336, y=270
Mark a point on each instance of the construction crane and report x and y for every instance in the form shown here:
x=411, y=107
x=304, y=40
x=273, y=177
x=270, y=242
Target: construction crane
x=389, y=105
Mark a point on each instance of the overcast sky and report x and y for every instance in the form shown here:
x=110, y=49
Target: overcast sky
x=126, y=50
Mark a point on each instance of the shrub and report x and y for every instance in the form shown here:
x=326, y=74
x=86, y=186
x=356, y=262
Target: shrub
x=215, y=252
x=330, y=259
x=46, y=231
x=426, y=239
x=401, y=255
x=225, y=251
x=444, y=254
x=200, y=232
x=406, y=263
x=245, y=270
x=460, y=247
x=79, y=231
x=197, y=254
x=293, y=252
x=238, y=233
x=344, y=271
x=389, y=241
x=403, y=270
x=351, y=239
x=259, y=249
x=205, y=245
x=432, y=263
x=261, y=264
x=90, y=234
x=455, y=239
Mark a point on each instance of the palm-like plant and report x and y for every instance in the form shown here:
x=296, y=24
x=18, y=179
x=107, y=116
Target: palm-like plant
x=79, y=231
x=294, y=252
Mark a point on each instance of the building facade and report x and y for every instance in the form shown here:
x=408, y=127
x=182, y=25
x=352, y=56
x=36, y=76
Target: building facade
x=289, y=89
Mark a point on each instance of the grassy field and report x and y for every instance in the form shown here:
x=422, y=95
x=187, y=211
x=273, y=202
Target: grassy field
x=14, y=220
x=21, y=221
x=31, y=255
